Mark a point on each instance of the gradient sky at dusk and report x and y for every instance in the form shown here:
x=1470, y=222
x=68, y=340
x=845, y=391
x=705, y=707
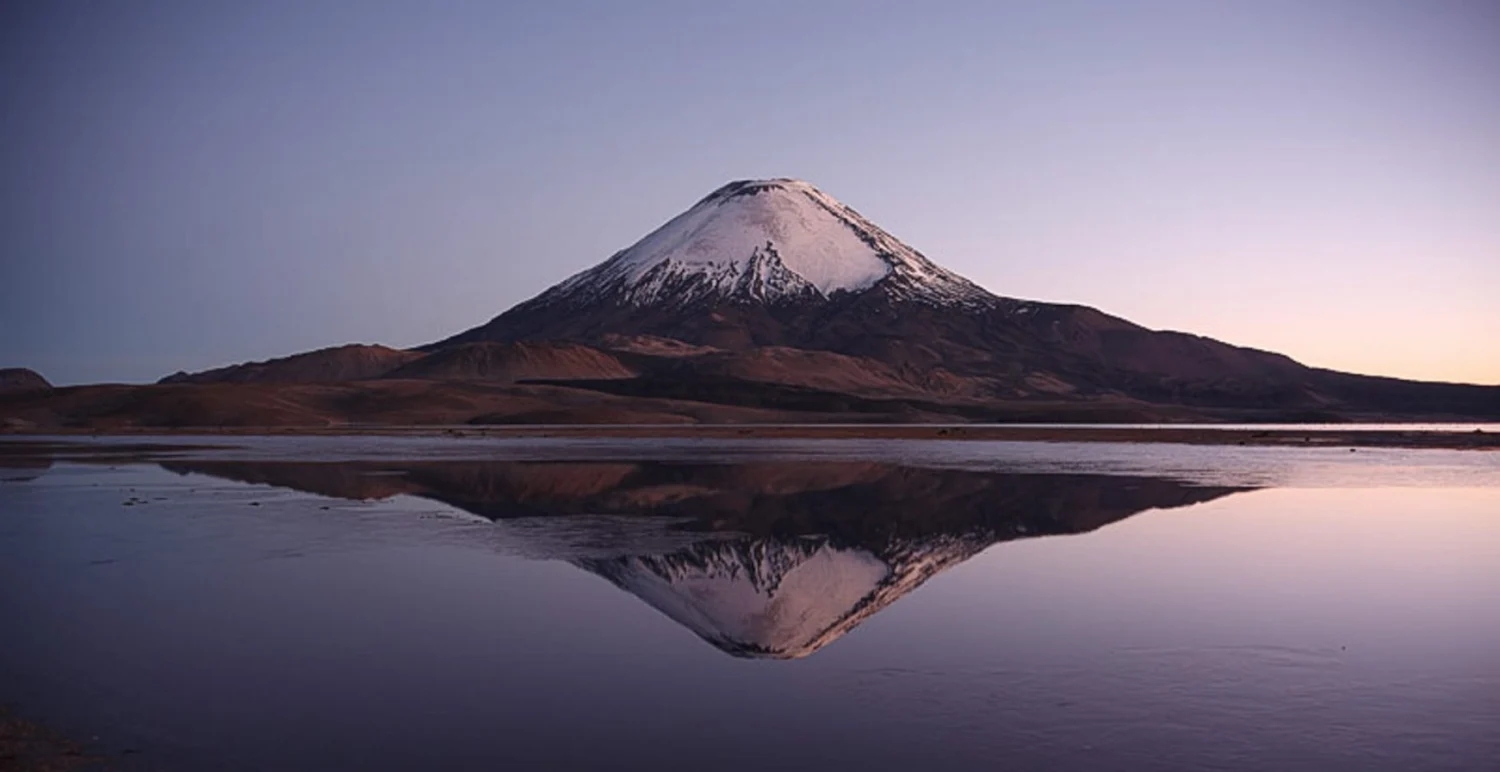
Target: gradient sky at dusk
x=189, y=184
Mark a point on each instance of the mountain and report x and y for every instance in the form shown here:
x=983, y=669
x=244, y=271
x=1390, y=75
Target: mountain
x=772, y=241
x=779, y=264
x=780, y=246
x=768, y=560
x=767, y=301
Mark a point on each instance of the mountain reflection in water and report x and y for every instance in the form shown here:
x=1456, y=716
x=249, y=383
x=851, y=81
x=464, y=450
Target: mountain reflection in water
x=769, y=560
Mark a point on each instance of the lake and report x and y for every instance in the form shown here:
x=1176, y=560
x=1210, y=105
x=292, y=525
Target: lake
x=382, y=603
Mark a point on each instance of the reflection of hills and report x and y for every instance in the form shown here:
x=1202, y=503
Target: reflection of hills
x=788, y=556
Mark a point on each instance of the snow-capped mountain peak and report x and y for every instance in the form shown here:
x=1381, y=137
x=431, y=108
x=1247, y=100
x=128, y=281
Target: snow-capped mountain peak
x=772, y=241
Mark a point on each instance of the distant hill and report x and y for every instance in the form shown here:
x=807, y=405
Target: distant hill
x=352, y=362
x=19, y=380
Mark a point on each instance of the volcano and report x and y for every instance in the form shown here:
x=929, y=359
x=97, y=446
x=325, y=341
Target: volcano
x=770, y=301
x=778, y=265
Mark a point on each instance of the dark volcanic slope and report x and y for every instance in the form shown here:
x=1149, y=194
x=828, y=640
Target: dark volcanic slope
x=510, y=362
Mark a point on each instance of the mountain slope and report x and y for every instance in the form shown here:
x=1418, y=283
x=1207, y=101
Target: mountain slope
x=510, y=362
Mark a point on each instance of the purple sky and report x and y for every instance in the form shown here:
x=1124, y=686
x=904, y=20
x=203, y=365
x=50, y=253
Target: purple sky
x=188, y=184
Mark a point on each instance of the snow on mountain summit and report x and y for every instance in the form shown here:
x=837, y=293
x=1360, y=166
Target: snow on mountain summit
x=764, y=240
x=789, y=219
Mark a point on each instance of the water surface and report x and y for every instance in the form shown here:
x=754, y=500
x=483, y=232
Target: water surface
x=353, y=603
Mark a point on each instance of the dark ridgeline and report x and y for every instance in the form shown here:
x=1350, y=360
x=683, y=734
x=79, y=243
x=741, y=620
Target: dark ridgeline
x=773, y=559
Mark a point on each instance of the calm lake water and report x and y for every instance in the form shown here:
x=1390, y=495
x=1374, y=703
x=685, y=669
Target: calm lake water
x=366, y=603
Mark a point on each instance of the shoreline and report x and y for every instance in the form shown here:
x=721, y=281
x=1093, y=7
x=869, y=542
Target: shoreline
x=26, y=744
x=1332, y=436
